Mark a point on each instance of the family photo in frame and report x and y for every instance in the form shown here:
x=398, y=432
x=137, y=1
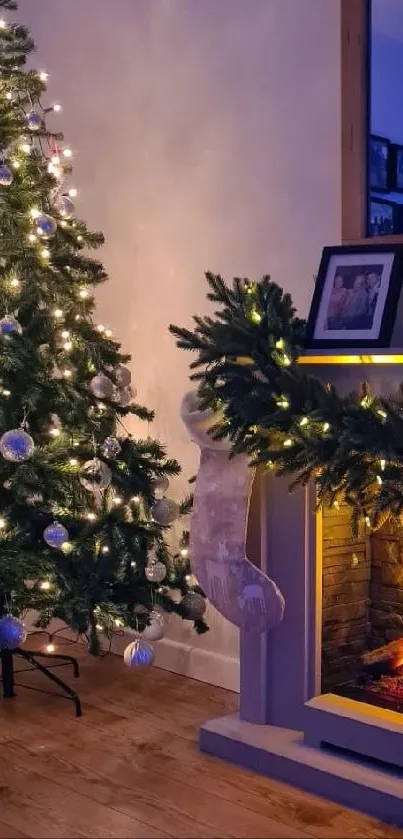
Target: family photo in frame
x=356, y=296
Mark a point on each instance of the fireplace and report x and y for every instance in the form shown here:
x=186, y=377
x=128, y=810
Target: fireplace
x=362, y=611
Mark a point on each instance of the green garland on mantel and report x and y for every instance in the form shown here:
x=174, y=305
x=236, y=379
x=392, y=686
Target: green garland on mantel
x=247, y=365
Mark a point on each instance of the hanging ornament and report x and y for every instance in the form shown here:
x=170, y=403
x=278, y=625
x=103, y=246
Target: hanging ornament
x=165, y=511
x=124, y=395
x=45, y=226
x=95, y=475
x=156, y=572
x=161, y=485
x=12, y=633
x=65, y=207
x=6, y=175
x=34, y=121
x=139, y=654
x=155, y=630
x=16, y=445
x=123, y=375
x=101, y=387
x=111, y=448
x=9, y=325
x=55, y=535
x=194, y=604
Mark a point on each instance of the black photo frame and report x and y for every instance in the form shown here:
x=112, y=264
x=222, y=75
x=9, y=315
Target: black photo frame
x=356, y=296
x=379, y=163
x=384, y=217
x=397, y=167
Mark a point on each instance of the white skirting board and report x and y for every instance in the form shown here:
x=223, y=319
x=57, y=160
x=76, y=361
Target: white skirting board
x=203, y=665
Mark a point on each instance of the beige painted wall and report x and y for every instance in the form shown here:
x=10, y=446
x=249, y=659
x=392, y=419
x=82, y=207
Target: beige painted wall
x=206, y=135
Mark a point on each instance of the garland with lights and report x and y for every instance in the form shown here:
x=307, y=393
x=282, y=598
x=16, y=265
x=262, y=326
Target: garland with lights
x=294, y=424
x=83, y=509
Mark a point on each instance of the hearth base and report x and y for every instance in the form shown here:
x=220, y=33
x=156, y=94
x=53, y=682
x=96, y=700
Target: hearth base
x=281, y=753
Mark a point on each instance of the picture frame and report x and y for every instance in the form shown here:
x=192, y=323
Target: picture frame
x=356, y=297
x=397, y=167
x=384, y=217
x=379, y=163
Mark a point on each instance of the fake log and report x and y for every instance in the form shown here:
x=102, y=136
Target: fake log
x=385, y=659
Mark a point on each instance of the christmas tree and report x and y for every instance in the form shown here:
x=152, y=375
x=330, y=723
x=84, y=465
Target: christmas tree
x=84, y=516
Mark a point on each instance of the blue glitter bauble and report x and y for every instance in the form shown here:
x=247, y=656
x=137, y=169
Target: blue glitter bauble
x=139, y=654
x=55, y=535
x=65, y=206
x=34, y=121
x=111, y=448
x=16, y=445
x=12, y=633
x=9, y=325
x=6, y=175
x=45, y=226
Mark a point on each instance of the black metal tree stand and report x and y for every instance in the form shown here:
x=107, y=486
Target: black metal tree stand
x=8, y=673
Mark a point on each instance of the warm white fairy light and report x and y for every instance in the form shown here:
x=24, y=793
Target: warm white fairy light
x=283, y=403
x=6, y=392
x=43, y=75
x=184, y=552
x=26, y=148
x=67, y=547
x=15, y=283
x=136, y=499
x=34, y=212
x=2, y=523
x=368, y=521
x=304, y=421
x=67, y=153
x=9, y=95
x=383, y=464
x=73, y=192
x=98, y=626
x=68, y=346
x=382, y=414
x=73, y=461
x=57, y=107
x=50, y=648
x=55, y=432
x=67, y=373
x=80, y=238
x=45, y=585
x=65, y=334
x=91, y=516
x=118, y=622
x=287, y=443
x=16, y=164
x=117, y=500
x=336, y=505
x=58, y=313
x=63, y=223
x=108, y=333
x=133, y=563
x=379, y=480
x=55, y=159
x=101, y=327
x=3, y=24
x=326, y=426
x=83, y=293
x=286, y=360
x=255, y=316
x=45, y=253
x=32, y=238
x=105, y=549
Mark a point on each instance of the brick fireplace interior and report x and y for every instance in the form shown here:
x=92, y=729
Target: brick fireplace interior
x=362, y=611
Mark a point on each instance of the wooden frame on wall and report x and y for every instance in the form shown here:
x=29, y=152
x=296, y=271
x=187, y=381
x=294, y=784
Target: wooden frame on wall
x=355, y=105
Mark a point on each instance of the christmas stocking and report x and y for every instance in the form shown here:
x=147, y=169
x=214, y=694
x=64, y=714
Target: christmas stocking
x=238, y=590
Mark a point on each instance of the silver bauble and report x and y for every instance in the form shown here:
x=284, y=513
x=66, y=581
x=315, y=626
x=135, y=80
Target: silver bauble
x=95, y=475
x=12, y=633
x=139, y=654
x=6, y=175
x=156, y=572
x=123, y=375
x=160, y=486
x=111, y=448
x=155, y=630
x=45, y=226
x=194, y=604
x=16, y=445
x=124, y=396
x=9, y=325
x=65, y=206
x=164, y=511
x=34, y=121
x=55, y=535
x=101, y=387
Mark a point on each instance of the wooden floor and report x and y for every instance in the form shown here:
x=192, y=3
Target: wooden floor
x=131, y=767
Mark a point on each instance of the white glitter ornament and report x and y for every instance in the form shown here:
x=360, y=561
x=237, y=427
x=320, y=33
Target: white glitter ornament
x=16, y=445
x=101, y=387
x=139, y=654
x=194, y=604
x=45, y=226
x=165, y=511
x=55, y=535
x=95, y=475
x=155, y=630
x=156, y=572
x=6, y=175
x=111, y=448
x=124, y=396
x=123, y=375
x=34, y=121
x=9, y=325
x=161, y=485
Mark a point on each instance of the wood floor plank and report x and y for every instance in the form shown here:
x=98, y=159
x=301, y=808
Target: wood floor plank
x=134, y=756
x=7, y=832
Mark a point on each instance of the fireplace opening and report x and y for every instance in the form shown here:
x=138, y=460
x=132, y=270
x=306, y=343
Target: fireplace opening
x=362, y=611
